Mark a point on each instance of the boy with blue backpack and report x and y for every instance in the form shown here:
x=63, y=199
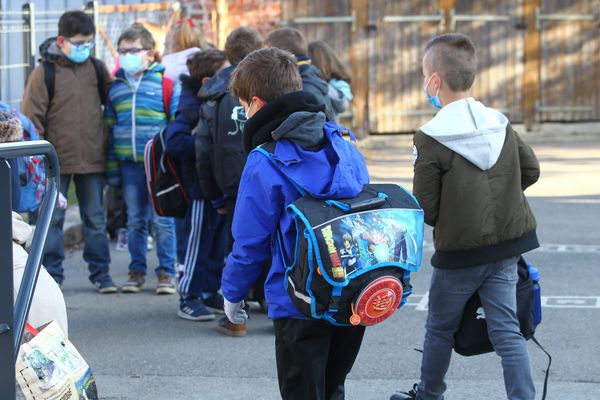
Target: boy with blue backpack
x=138, y=107
x=313, y=357
x=470, y=171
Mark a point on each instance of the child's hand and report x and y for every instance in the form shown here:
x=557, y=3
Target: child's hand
x=61, y=202
x=235, y=312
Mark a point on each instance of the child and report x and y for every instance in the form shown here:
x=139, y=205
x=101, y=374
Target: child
x=186, y=40
x=293, y=40
x=64, y=98
x=205, y=229
x=313, y=357
x=220, y=154
x=135, y=113
x=335, y=72
x=470, y=172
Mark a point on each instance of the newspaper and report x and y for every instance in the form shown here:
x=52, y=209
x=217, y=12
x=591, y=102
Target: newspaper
x=49, y=367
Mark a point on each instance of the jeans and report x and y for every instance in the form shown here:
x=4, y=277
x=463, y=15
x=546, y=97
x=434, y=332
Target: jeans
x=449, y=291
x=139, y=215
x=89, y=190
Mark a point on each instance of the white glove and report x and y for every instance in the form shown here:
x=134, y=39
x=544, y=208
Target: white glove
x=235, y=312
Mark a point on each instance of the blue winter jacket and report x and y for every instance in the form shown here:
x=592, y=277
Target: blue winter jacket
x=336, y=171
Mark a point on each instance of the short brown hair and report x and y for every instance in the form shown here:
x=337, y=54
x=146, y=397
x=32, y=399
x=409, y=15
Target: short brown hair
x=205, y=63
x=453, y=56
x=323, y=57
x=138, y=31
x=241, y=42
x=288, y=39
x=267, y=74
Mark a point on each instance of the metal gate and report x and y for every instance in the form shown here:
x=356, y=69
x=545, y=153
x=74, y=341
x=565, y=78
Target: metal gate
x=570, y=60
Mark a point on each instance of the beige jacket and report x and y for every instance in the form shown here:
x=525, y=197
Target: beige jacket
x=72, y=121
x=48, y=302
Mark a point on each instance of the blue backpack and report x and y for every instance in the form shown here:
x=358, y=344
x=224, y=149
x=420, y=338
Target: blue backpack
x=31, y=169
x=353, y=257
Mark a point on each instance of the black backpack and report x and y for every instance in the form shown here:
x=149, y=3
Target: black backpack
x=165, y=186
x=353, y=257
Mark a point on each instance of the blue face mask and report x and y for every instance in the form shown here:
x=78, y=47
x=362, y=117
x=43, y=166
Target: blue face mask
x=433, y=100
x=80, y=53
x=131, y=63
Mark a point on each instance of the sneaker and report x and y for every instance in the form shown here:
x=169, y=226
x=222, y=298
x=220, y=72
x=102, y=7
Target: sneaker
x=121, y=240
x=228, y=328
x=135, y=283
x=193, y=309
x=166, y=284
x=410, y=395
x=215, y=303
x=106, y=285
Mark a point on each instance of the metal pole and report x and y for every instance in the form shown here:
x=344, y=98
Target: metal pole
x=30, y=41
x=7, y=364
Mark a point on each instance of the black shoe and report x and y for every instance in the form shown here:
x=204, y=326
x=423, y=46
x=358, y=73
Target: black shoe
x=215, y=303
x=410, y=395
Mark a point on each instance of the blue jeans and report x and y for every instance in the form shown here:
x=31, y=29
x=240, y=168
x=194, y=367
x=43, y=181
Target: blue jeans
x=139, y=215
x=89, y=190
x=449, y=291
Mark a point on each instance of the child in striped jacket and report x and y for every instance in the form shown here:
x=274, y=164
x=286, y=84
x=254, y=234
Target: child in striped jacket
x=137, y=109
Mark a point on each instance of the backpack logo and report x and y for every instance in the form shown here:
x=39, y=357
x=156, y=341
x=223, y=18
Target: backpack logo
x=238, y=116
x=480, y=313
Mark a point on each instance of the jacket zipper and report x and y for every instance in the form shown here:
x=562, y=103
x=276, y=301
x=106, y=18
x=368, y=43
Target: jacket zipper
x=133, y=126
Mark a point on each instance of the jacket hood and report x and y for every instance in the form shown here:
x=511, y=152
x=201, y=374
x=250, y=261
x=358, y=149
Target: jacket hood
x=311, y=76
x=470, y=129
x=218, y=85
x=189, y=84
x=336, y=171
x=50, y=51
x=21, y=231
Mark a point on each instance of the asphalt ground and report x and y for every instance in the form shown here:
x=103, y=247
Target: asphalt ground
x=139, y=349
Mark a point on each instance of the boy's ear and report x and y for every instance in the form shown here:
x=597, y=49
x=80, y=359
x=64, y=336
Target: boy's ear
x=205, y=79
x=60, y=40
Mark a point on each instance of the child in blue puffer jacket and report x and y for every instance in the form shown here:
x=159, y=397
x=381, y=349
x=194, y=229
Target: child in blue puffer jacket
x=140, y=102
x=313, y=357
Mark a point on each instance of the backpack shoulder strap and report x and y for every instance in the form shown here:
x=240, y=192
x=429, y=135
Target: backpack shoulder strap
x=99, y=78
x=167, y=93
x=49, y=76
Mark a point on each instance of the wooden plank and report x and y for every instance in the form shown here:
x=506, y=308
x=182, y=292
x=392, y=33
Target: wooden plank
x=531, y=72
x=359, y=63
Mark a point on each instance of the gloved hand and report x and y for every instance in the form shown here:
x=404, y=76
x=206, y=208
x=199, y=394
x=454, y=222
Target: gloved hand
x=235, y=312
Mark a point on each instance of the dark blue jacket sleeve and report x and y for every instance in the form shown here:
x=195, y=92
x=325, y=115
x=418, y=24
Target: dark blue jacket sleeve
x=180, y=141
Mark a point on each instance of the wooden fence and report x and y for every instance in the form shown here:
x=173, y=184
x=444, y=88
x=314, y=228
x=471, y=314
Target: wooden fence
x=539, y=60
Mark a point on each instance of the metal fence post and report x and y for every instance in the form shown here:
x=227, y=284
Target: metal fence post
x=7, y=361
x=91, y=7
x=29, y=35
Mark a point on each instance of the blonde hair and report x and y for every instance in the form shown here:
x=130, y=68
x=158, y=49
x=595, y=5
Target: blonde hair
x=186, y=36
x=323, y=57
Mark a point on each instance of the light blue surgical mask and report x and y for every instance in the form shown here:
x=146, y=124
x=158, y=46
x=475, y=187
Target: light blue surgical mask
x=131, y=63
x=433, y=100
x=80, y=52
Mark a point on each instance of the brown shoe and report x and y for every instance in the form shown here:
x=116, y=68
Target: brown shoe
x=228, y=328
x=135, y=282
x=166, y=284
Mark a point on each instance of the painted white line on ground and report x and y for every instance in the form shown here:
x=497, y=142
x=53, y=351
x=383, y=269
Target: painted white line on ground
x=420, y=301
x=548, y=248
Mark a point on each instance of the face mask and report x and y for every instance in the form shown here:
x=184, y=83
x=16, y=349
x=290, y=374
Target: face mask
x=433, y=100
x=131, y=63
x=79, y=54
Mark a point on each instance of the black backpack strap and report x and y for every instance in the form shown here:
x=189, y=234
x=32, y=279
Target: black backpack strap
x=49, y=75
x=547, y=369
x=99, y=78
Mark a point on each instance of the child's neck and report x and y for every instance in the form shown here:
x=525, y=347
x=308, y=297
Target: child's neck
x=450, y=97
